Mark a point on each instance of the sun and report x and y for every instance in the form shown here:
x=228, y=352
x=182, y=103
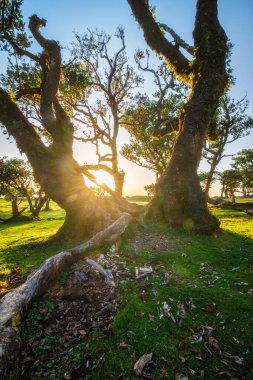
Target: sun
x=103, y=178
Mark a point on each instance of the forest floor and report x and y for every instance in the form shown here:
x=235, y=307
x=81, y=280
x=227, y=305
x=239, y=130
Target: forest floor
x=181, y=303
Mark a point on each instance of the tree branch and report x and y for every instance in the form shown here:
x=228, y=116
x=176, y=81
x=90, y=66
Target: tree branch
x=177, y=39
x=19, y=127
x=52, y=72
x=93, y=178
x=27, y=91
x=179, y=64
x=99, y=167
x=18, y=50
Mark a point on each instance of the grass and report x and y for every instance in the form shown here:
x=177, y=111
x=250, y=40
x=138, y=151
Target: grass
x=212, y=273
x=216, y=274
x=19, y=241
x=243, y=200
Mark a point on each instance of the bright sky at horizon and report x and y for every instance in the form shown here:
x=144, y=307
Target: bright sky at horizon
x=63, y=19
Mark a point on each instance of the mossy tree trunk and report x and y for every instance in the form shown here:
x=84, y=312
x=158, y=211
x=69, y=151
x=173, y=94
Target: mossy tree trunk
x=179, y=198
x=54, y=167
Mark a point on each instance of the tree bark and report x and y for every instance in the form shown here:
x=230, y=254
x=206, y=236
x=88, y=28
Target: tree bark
x=40, y=204
x=14, y=206
x=179, y=198
x=31, y=208
x=59, y=175
x=119, y=178
x=64, y=184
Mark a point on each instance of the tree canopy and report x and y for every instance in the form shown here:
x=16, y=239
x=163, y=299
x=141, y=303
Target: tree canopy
x=230, y=123
x=152, y=121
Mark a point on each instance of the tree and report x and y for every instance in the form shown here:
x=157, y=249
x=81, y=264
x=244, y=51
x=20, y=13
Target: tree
x=112, y=80
x=143, y=148
x=152, y=122
x=203, y=178
x=41, y=199
x=243, y=162
x=229, y=124
x=16, y=181
x=150, y=189
x=179, y=198
x=230, y=180
x=47, y=141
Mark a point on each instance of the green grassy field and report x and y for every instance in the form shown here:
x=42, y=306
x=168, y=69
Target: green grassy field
x=17, y=239
x=209, y=337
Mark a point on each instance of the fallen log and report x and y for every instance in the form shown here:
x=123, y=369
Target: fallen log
x=14, y=304
x=246, y=205
x=224, y=204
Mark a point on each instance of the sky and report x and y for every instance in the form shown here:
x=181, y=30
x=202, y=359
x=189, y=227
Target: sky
x=63, y=17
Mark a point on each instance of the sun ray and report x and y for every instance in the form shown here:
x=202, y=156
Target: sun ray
x=102, y=178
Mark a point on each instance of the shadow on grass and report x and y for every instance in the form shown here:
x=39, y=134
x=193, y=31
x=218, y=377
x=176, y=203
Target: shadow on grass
x=27, y=244
x=30, y=256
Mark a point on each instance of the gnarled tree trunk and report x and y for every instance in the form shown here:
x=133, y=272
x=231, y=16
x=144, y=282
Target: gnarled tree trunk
x=179, y=199
x=61, y=178
x=54, y=167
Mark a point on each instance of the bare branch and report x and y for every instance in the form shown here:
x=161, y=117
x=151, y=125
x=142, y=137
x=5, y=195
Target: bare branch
x=85, y=140
x=178, y=40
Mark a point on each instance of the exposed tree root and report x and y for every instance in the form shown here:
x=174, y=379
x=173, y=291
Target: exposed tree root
x=14, y=304
x=107, y=273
